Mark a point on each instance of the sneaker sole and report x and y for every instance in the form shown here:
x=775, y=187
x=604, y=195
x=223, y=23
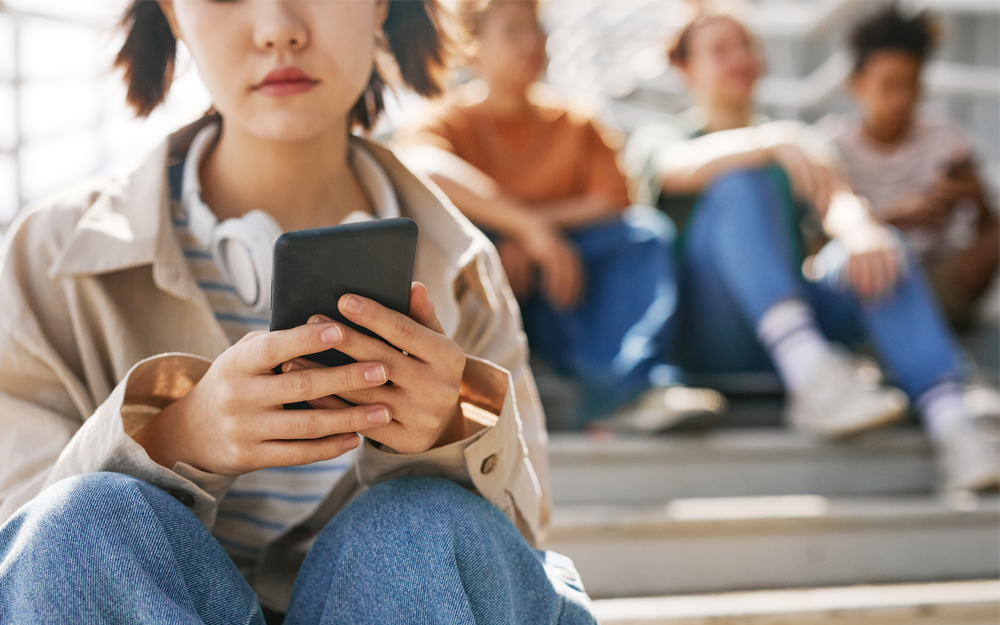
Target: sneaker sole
x=878, y=421
x=696, y=421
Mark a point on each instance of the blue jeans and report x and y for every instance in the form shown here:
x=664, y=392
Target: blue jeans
x=108, y=548
x=623, y=328
x=739, y=259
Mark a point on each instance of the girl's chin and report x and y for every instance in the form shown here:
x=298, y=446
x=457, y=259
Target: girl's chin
x=291, y=129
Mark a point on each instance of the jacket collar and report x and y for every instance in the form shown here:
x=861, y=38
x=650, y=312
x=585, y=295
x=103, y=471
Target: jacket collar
x=128, y=226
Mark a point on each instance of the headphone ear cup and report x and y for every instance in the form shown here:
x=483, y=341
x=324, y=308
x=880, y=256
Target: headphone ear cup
x=243, y=250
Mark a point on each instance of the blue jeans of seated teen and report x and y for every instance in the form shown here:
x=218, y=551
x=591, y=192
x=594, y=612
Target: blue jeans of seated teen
x=623, y=329
x=739, y=259
x=108, y=548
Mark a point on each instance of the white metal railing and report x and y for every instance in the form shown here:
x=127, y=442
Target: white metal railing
x=70, y=121
x=601, y=48
x=16, y=81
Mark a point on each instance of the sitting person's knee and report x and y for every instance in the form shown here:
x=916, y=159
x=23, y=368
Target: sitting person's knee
x=411, y=509
x=417, y=498
x=89, y=499
x=741, y=181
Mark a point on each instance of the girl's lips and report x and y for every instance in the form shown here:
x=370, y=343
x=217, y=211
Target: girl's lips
x=285, y=81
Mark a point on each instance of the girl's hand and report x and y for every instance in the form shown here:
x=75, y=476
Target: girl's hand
x=811, y=181
x=875, y=262
x=520, y=269
x=561, y=268
x=421, y=399
x=233, y=422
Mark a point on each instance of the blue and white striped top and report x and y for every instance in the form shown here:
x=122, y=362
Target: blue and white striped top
x=262, y=504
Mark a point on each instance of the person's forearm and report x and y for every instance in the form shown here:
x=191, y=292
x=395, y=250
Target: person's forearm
x=473, y=192
x=693, y=178
x=691, y=166
x=976, y=266
x=490, y=211
x=690, y=169
x=579, y=211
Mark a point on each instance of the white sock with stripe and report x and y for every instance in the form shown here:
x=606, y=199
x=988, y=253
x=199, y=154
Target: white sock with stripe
x=789, y=331
x=942, y=406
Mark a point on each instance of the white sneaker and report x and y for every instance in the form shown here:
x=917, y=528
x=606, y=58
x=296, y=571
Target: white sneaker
x=969, y=457
x=674, y=407
x=982, y=401
x=842, y=400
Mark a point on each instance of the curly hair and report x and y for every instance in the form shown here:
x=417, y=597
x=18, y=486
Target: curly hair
x=418, y=37
x=890, y=30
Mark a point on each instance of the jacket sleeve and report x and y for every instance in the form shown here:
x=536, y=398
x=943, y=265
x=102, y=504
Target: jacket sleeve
x=506, y=461
x=57, y=421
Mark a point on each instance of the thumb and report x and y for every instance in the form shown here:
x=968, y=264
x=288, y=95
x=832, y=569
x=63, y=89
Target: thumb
x=422, y=309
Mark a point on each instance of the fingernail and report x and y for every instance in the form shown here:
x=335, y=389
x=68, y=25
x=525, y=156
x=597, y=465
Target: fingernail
x=351, y=304
x=332, y=335
x=375, y=374
x=350, y=443
x=379, y=416
x=319, y=319
x=291, y=365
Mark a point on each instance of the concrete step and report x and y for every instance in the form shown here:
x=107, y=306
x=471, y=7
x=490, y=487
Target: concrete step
x=736, y=462
x=951, y=603
x=730, y=544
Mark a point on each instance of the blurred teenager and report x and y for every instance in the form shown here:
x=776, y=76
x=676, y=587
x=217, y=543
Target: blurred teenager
x=916, y=169
x=747, y=192
x=594, y=278
x=150, y=472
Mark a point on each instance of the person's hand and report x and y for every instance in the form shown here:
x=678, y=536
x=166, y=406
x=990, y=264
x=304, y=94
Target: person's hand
x=520, y=269
x=918, y=209
x=875, y=262
x=959, y=184
x=561, y=268
x=811, y=181
x=233, y=421
x=421, y=399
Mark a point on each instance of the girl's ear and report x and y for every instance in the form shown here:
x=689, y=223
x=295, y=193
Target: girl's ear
x=167, y=6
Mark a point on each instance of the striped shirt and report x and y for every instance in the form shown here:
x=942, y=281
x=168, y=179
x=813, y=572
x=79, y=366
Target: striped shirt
x=260, y=505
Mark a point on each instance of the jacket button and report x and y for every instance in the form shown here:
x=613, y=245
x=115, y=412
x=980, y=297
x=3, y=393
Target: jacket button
x=488, y=464
x=185, y=498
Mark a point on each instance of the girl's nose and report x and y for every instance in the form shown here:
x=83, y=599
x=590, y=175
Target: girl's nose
x=280, y=25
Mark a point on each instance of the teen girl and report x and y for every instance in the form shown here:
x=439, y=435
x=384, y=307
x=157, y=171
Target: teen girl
x=150, y=473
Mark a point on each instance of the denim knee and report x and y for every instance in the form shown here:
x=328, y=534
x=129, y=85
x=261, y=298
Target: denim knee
x=88, y=500
x=739, y=182
x=416, y=501
x=427, y=548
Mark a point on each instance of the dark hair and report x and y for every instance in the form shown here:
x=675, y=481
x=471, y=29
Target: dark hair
x=679, y=50
x=888, y=29
x=418, y=37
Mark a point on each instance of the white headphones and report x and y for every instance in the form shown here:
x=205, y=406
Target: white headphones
x=242, y=247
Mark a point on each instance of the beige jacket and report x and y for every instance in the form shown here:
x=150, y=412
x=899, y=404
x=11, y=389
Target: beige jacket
x=102, y=325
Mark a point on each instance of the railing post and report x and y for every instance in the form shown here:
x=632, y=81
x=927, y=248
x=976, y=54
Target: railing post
x=16, y=84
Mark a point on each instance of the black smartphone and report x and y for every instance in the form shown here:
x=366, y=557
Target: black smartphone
x=314, y=268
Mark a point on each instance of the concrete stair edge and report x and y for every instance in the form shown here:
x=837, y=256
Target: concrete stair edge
x=967, y=602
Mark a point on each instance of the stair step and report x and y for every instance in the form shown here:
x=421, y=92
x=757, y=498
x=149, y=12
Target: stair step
x=735, y=462
x=730, y=544
x=952, y=603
